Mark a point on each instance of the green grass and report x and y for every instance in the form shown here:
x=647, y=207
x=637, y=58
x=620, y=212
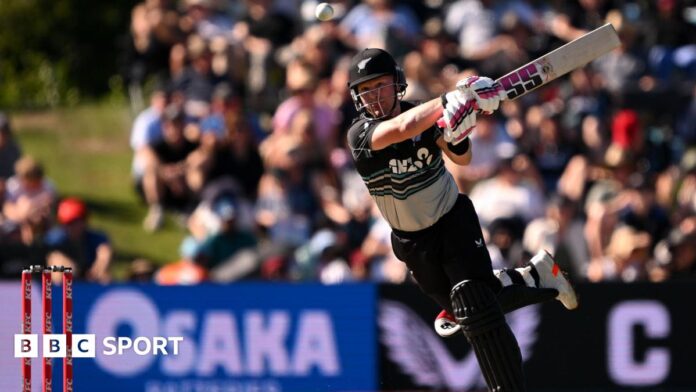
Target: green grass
x=85, y=152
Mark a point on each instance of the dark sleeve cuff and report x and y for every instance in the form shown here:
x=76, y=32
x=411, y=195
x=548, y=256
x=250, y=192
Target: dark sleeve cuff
x=461, y=148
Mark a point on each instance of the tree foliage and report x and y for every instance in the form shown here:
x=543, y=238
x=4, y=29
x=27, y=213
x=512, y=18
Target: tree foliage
x=55, y=51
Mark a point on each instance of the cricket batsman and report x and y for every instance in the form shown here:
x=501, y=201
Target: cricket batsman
x=397, y=148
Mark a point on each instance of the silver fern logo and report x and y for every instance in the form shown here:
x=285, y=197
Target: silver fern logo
x=419, y=353
x=362, y=64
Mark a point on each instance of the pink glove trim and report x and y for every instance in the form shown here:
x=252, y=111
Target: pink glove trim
x=463, y=135
x=489, y=93
x=463, y=111
x=470, y=80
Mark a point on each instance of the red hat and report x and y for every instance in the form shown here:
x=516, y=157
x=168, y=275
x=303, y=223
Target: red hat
x=70, y=210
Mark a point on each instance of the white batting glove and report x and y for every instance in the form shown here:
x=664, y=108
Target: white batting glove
x=459, y=117
x=488, y=92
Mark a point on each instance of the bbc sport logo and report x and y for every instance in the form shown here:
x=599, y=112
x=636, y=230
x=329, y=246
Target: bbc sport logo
x=84, y=345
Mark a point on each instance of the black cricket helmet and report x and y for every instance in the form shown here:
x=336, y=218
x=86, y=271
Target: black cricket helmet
x=372, y=63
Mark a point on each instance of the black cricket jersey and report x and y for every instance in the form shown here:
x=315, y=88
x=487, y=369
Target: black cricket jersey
x=407, y=180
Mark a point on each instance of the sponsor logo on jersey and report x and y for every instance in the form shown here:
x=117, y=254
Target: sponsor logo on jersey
x=412, y=164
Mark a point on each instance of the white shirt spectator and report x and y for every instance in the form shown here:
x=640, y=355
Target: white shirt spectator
x=335, y=272
x=146, y=131
x=495, y=199
x=15, y=191
x=472, y=23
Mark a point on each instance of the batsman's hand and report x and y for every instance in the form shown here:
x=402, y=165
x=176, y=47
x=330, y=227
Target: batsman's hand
x=459, y=117
x=488, y=92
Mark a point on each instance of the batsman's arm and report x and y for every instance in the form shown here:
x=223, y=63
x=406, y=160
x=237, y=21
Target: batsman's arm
x=461, y=159
x=407, y=124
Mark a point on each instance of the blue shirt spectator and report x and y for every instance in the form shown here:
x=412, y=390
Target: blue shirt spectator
x=381, y=25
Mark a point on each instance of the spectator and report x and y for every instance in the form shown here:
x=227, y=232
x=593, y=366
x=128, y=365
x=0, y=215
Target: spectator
x=626, y=257
x=638, y=209
x=551, y=153
x=75, y=244
x=9, y=154
x=317, y=47
x=622, y=68
x=201, y=80
x=491, y=143
x=164, y=182
x=417, y=77
x=337, y=95
x=676, y=254
x=301, y=83
x=181, y=272
x=287, y=203
x=671, y=42
x=381, y=24
x=238, y=157
x=141, y=271
x=474, y=24
x=228, y=252
x=178, y=66
x=505, y=238
x=560, y=232
x=146, y=131
x=153, y=31
x=686, y=191
x=321, y=259
x=686, y=124
x=262, y=30
x=510, y=193
x=207, y=21
x=375, y=259
x=210, y=133
x=29, y=199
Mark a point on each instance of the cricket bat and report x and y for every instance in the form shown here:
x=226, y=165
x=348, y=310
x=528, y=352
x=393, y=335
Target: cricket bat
x=560, y=61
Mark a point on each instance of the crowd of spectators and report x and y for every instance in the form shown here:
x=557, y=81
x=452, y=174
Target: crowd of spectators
x=241, y=110
x=38, y=228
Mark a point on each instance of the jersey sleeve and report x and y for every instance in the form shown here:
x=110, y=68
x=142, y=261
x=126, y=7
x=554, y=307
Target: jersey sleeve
x=360, y=139
x=435, y=132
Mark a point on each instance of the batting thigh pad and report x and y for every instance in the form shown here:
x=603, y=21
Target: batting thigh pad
x=476, y=309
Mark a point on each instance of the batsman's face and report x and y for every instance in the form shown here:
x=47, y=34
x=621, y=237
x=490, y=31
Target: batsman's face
x=378, y=95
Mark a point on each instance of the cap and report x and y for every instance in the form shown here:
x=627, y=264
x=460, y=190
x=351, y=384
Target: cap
x=224, y=208
x=370, y=64
x=70, y=210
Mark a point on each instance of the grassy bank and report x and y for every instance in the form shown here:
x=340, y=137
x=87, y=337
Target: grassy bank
x=86, y=154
